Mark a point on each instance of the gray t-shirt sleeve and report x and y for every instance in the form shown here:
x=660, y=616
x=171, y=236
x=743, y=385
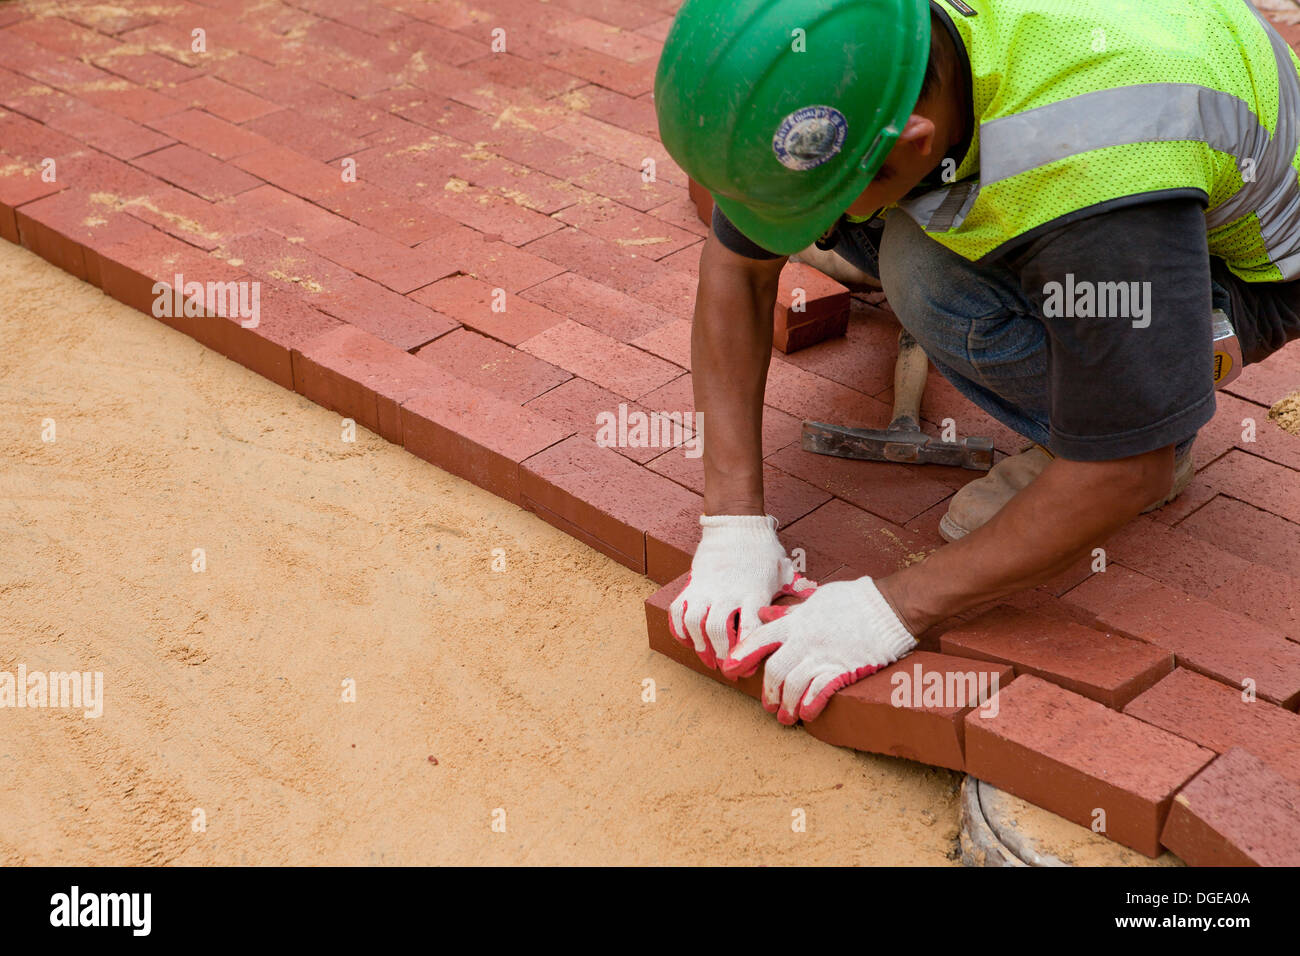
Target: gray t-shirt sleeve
x=735, y=240
x=1129, y=383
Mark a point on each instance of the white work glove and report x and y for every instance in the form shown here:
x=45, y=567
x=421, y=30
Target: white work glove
x=739, y=567
x=839, y=634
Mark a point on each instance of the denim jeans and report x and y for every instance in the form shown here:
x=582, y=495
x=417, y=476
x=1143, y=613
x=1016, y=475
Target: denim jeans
x=975, y=323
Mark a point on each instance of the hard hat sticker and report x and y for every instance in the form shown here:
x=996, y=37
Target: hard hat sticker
x=809, y=137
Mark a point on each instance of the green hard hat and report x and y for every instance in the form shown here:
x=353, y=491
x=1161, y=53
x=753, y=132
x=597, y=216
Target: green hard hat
x=786, y=128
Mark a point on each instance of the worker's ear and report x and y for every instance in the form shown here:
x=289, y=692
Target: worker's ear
x=918, y=134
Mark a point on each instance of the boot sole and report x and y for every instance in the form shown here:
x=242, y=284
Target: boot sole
x=950, y=530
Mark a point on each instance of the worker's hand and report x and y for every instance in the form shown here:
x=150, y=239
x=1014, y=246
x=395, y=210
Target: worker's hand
x=838, y=634
x=739, y=567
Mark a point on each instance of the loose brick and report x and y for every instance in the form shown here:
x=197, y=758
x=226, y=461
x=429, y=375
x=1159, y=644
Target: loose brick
x=860, y=539
x=810, y=307
x=1236, y=812
x=202, y=175
x=863, y=360
x=1218, y=643
x=703, y=201
x=1074, y=756
x=598, y=358
x=916, y=708
x=897, y=492
x=364, y=378
x=1104, y=667
x=610, y=499
x=1220, y=717
x=492, y=366
x=471, y=302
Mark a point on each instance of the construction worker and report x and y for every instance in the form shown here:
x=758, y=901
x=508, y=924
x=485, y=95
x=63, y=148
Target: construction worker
x=1068, y=191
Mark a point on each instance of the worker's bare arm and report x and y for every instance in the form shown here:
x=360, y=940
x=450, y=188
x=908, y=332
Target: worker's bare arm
x=1072, y=507
x=731, y=347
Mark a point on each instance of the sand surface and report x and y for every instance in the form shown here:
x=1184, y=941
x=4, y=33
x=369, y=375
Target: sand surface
x=328, y=562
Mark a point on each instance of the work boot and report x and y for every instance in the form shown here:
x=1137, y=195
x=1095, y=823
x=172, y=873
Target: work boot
x=831, y=263
x=977, y=502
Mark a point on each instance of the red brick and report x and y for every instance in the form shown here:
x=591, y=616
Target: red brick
x=1273, y=442
x=149, y=70
x=383, y=211
x=185, y=216
x=916, y=708
x=1258, y=481
x=130, y=271
x=1248, y=532
x=1270, y=380
x=125, y=98
x=806, y=297
x=628, y=186
x=295, y=173
x=19, y=183
x=305, y=135
x=109, y=132
x=607, y=497
x=470, y=301
x=609, y=40
x=396, y=319
x=671, y=341
x=863, y=360
x=209, y=134
x=1074, y=756
x=287, y=265
x=1218, y=643
x=63, y=36
x=1104, y=667
x=862, y=540
x=70, y=227
x=662, y=641
x=1172, y=557
x=1236, y=812
x=363, y=377
x=624, y=227
x=384, y=260
x=31, y=59
x=598, y=358
x=477, y=436
x=1107, y=588
x=680, y=212
x=106, y=19
x=492, y=366
x=29, y=141
x=810, y=396
x=630, y=79
x=578, y=403
x=286, y=214
x=285, y=323
x=490, y=260
x=221, y=99
x=1216, y=716
x=1265, y=595
x=202, y=175
x=897, y=492
x=635, y=115
x=600, y=261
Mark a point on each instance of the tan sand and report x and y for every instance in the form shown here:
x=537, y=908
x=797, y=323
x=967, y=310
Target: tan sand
x=1287, y=413
x=327, y=561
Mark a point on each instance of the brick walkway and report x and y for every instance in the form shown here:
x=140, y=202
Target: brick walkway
x=522, y=179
